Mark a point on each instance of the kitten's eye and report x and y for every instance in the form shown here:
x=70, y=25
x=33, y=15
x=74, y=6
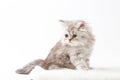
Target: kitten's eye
x=74, y=35
x=66, y=35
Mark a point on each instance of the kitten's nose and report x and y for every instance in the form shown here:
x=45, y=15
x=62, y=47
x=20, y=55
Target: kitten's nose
x=70, y=39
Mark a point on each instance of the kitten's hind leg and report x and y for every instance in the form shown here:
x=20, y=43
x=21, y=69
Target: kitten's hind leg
x=25, y=70
x=28, y=68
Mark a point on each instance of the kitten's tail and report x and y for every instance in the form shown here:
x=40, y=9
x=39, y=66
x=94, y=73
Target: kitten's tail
x=28, y=68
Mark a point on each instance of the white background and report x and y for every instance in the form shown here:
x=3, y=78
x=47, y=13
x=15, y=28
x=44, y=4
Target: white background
x=30, y=28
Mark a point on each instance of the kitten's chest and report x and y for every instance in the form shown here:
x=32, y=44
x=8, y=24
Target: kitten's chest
x=71, y=50
x=77, y=51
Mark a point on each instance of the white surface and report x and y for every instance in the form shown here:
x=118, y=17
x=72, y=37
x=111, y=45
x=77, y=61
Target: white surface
x=66, y=74
x=29, y=29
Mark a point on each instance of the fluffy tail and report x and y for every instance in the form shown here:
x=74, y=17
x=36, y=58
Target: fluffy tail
x=28, y=68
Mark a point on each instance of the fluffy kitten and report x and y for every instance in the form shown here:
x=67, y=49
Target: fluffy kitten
x=72, y=51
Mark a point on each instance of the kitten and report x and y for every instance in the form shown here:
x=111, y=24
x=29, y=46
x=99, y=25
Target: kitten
x=72, y=51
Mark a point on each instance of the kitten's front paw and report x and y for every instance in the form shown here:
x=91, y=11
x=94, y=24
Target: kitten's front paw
x=84, y=68
x=22, y=71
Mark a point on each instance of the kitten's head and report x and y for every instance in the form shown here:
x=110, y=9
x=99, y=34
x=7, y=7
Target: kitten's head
x=77, y=33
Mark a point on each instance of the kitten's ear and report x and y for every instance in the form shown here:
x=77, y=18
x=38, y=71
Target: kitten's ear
x=80, y=25
x=64, y=22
